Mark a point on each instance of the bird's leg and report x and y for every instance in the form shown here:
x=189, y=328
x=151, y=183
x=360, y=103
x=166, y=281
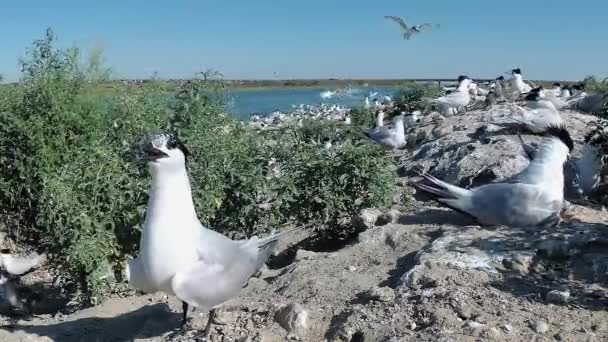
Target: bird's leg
x=209, y=321
x=185, y=313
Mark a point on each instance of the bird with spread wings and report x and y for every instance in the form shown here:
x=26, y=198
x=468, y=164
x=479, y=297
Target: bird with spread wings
x=410, y=31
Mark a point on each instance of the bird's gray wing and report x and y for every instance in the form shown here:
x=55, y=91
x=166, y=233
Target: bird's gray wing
x=426, y=26
x=398, y=20
x=514, y=205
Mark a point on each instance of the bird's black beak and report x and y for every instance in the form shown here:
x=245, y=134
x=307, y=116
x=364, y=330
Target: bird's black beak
x=151, y=153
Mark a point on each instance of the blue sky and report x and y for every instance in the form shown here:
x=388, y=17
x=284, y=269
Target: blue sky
x=252, y=39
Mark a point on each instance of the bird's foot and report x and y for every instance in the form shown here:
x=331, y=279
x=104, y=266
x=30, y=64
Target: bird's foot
x=181, y=331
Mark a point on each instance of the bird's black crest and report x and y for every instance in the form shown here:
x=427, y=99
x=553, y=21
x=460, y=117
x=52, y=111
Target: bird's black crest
x=578, y=86
x=516, y=71
x=537, y=89
x=562, y=134
x=500, y=78
x=462, y=78
x=175, y=142
x=532, y=96
x=557, y=84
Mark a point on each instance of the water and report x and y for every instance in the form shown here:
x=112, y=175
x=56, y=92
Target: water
x=242, y=103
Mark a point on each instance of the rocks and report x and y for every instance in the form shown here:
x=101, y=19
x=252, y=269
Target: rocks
x=293, y=318
x=518, y=263
x=381, y=294
x=463, y=312
x=558, y=297
x=302, y=254
x=539, y=327
x=389, y=216
x=366, y=219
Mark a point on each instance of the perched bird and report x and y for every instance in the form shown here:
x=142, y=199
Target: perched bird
x=518, y=85
x=380, y=119
x=540, y=115
x=498, y=87
x=390, y=138
x=556, y=90
x=178, y=255
x=490, y=99
x=411, y=119
x=534, y=197
x=455, y=101
x=409, y=32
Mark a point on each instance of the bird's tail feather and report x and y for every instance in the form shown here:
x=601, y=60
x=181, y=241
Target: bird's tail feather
x=448, y=195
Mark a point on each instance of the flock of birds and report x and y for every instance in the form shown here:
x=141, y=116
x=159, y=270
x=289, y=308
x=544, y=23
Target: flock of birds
x=203, y=268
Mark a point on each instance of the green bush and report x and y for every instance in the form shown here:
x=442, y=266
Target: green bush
x=70, y=186
x=415, y=97
x=594, y=85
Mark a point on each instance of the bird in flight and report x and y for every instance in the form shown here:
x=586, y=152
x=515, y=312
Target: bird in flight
x=409, y=32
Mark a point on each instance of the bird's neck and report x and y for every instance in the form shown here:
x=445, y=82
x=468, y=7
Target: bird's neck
x=551, y=158
x=399, y=128
x=463, y=86
x=170, y=194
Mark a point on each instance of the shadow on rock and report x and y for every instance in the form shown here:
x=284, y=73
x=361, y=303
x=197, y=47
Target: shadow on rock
x=438, y=217
x=145, y=322
x=567, y=266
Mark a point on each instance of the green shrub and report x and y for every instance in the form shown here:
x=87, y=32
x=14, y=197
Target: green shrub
x=594, y=85
x=69, y=183
x=415, y=97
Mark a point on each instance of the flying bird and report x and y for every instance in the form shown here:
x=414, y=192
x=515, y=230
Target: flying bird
x=178, y=255
x=534, y=197
x=410, y=31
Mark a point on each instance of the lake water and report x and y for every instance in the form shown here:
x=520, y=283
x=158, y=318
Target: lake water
x=242, y=103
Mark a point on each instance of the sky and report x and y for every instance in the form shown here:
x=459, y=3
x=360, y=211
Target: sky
x=262, y=39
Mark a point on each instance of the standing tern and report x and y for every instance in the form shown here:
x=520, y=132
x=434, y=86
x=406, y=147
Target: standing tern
x=517, y=83
x=178, y=255
x=534, y=197
x=455, y=101
x=390, y=138
x=540, y=114
x=410, y=31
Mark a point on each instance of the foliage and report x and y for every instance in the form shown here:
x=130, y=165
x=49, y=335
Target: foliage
x=415, y=97
x=594, y=85
x=69, y=183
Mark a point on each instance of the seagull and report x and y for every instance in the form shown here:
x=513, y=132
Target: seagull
x=541, y=114
x=534, y=197
x=456, y=100
x=517, y=83
x=390, y=138
x=409, y=32
x=178, y=255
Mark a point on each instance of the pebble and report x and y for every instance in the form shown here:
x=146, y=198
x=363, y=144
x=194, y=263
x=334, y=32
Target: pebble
x=463, y=312
x=540, y=327
x=352, y=268
x=508, y=327
x=558, y=297
x=380, y=294
x=474, y=325
x=293, y=318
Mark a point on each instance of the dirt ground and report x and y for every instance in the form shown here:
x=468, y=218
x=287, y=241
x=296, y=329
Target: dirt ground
x=423, y=275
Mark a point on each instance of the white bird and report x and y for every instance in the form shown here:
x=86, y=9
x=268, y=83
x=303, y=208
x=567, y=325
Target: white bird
x=367, y=105
x=539, y=117
x=456, y=100
x=411, y=119
x=178, y=255
x=588, y=167
x=556, y=90
x=390, y=138
x=409, y=32
x=498, y=88
x=517, y=83
x=380, y=119
x=534, y=197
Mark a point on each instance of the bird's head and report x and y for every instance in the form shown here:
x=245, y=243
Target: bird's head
x=536, y=94
x=561, y=133
x=500, y=78
x=557, y=85
x=516, y=71
x=164, y=151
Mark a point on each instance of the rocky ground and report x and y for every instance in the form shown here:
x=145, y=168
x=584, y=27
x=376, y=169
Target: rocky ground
x=417, y=273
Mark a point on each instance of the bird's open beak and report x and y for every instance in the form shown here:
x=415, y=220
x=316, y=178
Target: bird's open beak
x=152, y=153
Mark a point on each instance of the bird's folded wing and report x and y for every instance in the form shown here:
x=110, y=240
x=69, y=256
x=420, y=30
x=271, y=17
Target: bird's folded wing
x=206, y=285
x=137, y=278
